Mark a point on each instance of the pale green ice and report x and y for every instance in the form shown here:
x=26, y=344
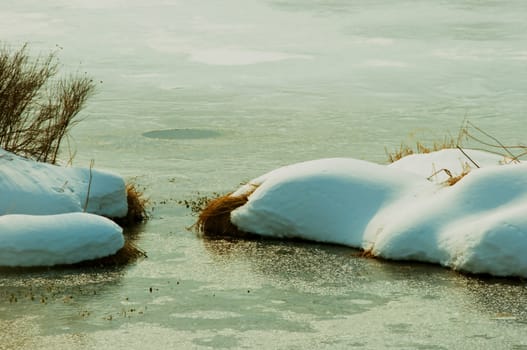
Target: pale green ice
x=199, y=96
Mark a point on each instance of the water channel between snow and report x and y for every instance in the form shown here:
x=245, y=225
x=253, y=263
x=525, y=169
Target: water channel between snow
x=201, y=96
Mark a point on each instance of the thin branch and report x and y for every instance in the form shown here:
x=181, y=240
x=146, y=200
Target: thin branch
x=92, y=162
x=466, y=155
x=493, y=138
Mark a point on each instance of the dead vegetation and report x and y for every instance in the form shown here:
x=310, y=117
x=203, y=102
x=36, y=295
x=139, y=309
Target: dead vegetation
x=197, y=204
x=406, y=150
x=469, y=132
x=478, y=138
x=37, y=109
x=137, y=207
x=214, y=220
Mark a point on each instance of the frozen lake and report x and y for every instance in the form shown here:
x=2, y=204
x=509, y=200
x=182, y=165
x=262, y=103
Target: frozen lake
x=198, y=96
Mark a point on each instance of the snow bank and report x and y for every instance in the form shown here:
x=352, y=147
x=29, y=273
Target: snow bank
x=478, y=225
x=46, y=240
x=30, y=187
x=327, y=200
x=41, y=213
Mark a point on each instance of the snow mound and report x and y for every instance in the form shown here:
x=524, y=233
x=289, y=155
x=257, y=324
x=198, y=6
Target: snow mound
x=478, y=225
x=327, y=200
x=42, y=219
x=46, y=240
x=30, y=187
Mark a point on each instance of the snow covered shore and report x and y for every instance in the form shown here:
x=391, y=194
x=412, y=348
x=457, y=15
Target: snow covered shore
x=46, y=218
x=400, y=211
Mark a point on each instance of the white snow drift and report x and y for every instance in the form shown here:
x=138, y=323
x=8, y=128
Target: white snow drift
x=45, y=240
x=479, y=225
x=45, y=213
x=30, y=187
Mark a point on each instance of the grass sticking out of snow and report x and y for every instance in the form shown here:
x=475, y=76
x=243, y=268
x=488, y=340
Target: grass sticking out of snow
x=137, y=207
x=468, y=133
x=214, y=220
x=406, y=150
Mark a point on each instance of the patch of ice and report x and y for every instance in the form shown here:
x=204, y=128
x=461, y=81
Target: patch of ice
x=238, y=57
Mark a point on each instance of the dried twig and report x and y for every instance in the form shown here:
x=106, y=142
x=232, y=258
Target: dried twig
x=468, y=157
x=92, y=162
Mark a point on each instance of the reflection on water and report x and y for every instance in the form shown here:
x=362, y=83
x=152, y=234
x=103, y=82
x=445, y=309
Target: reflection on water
x=498, y=298
x=333, y=269
x=26, y=288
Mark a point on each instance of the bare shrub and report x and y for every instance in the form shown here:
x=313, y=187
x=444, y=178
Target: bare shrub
x=37, y=110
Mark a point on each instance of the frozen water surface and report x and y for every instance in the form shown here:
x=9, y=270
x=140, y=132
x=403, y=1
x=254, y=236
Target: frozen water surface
x=281, y=82
x=181, y=134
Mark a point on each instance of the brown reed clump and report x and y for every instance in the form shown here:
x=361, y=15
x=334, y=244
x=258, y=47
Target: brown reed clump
x=367, y=254
x=37, y=110
x=137, y=207
x=214, y=221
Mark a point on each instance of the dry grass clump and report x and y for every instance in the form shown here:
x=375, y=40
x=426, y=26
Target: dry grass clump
x=469, y=132
x=405, y=150
x=452, y=180
x=137, y=207
x=368, y=253
x=37, y=110
x=480, y=139
x=214, y=220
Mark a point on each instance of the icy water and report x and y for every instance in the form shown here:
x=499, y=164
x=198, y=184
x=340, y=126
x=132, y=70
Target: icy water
x=198, y=96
